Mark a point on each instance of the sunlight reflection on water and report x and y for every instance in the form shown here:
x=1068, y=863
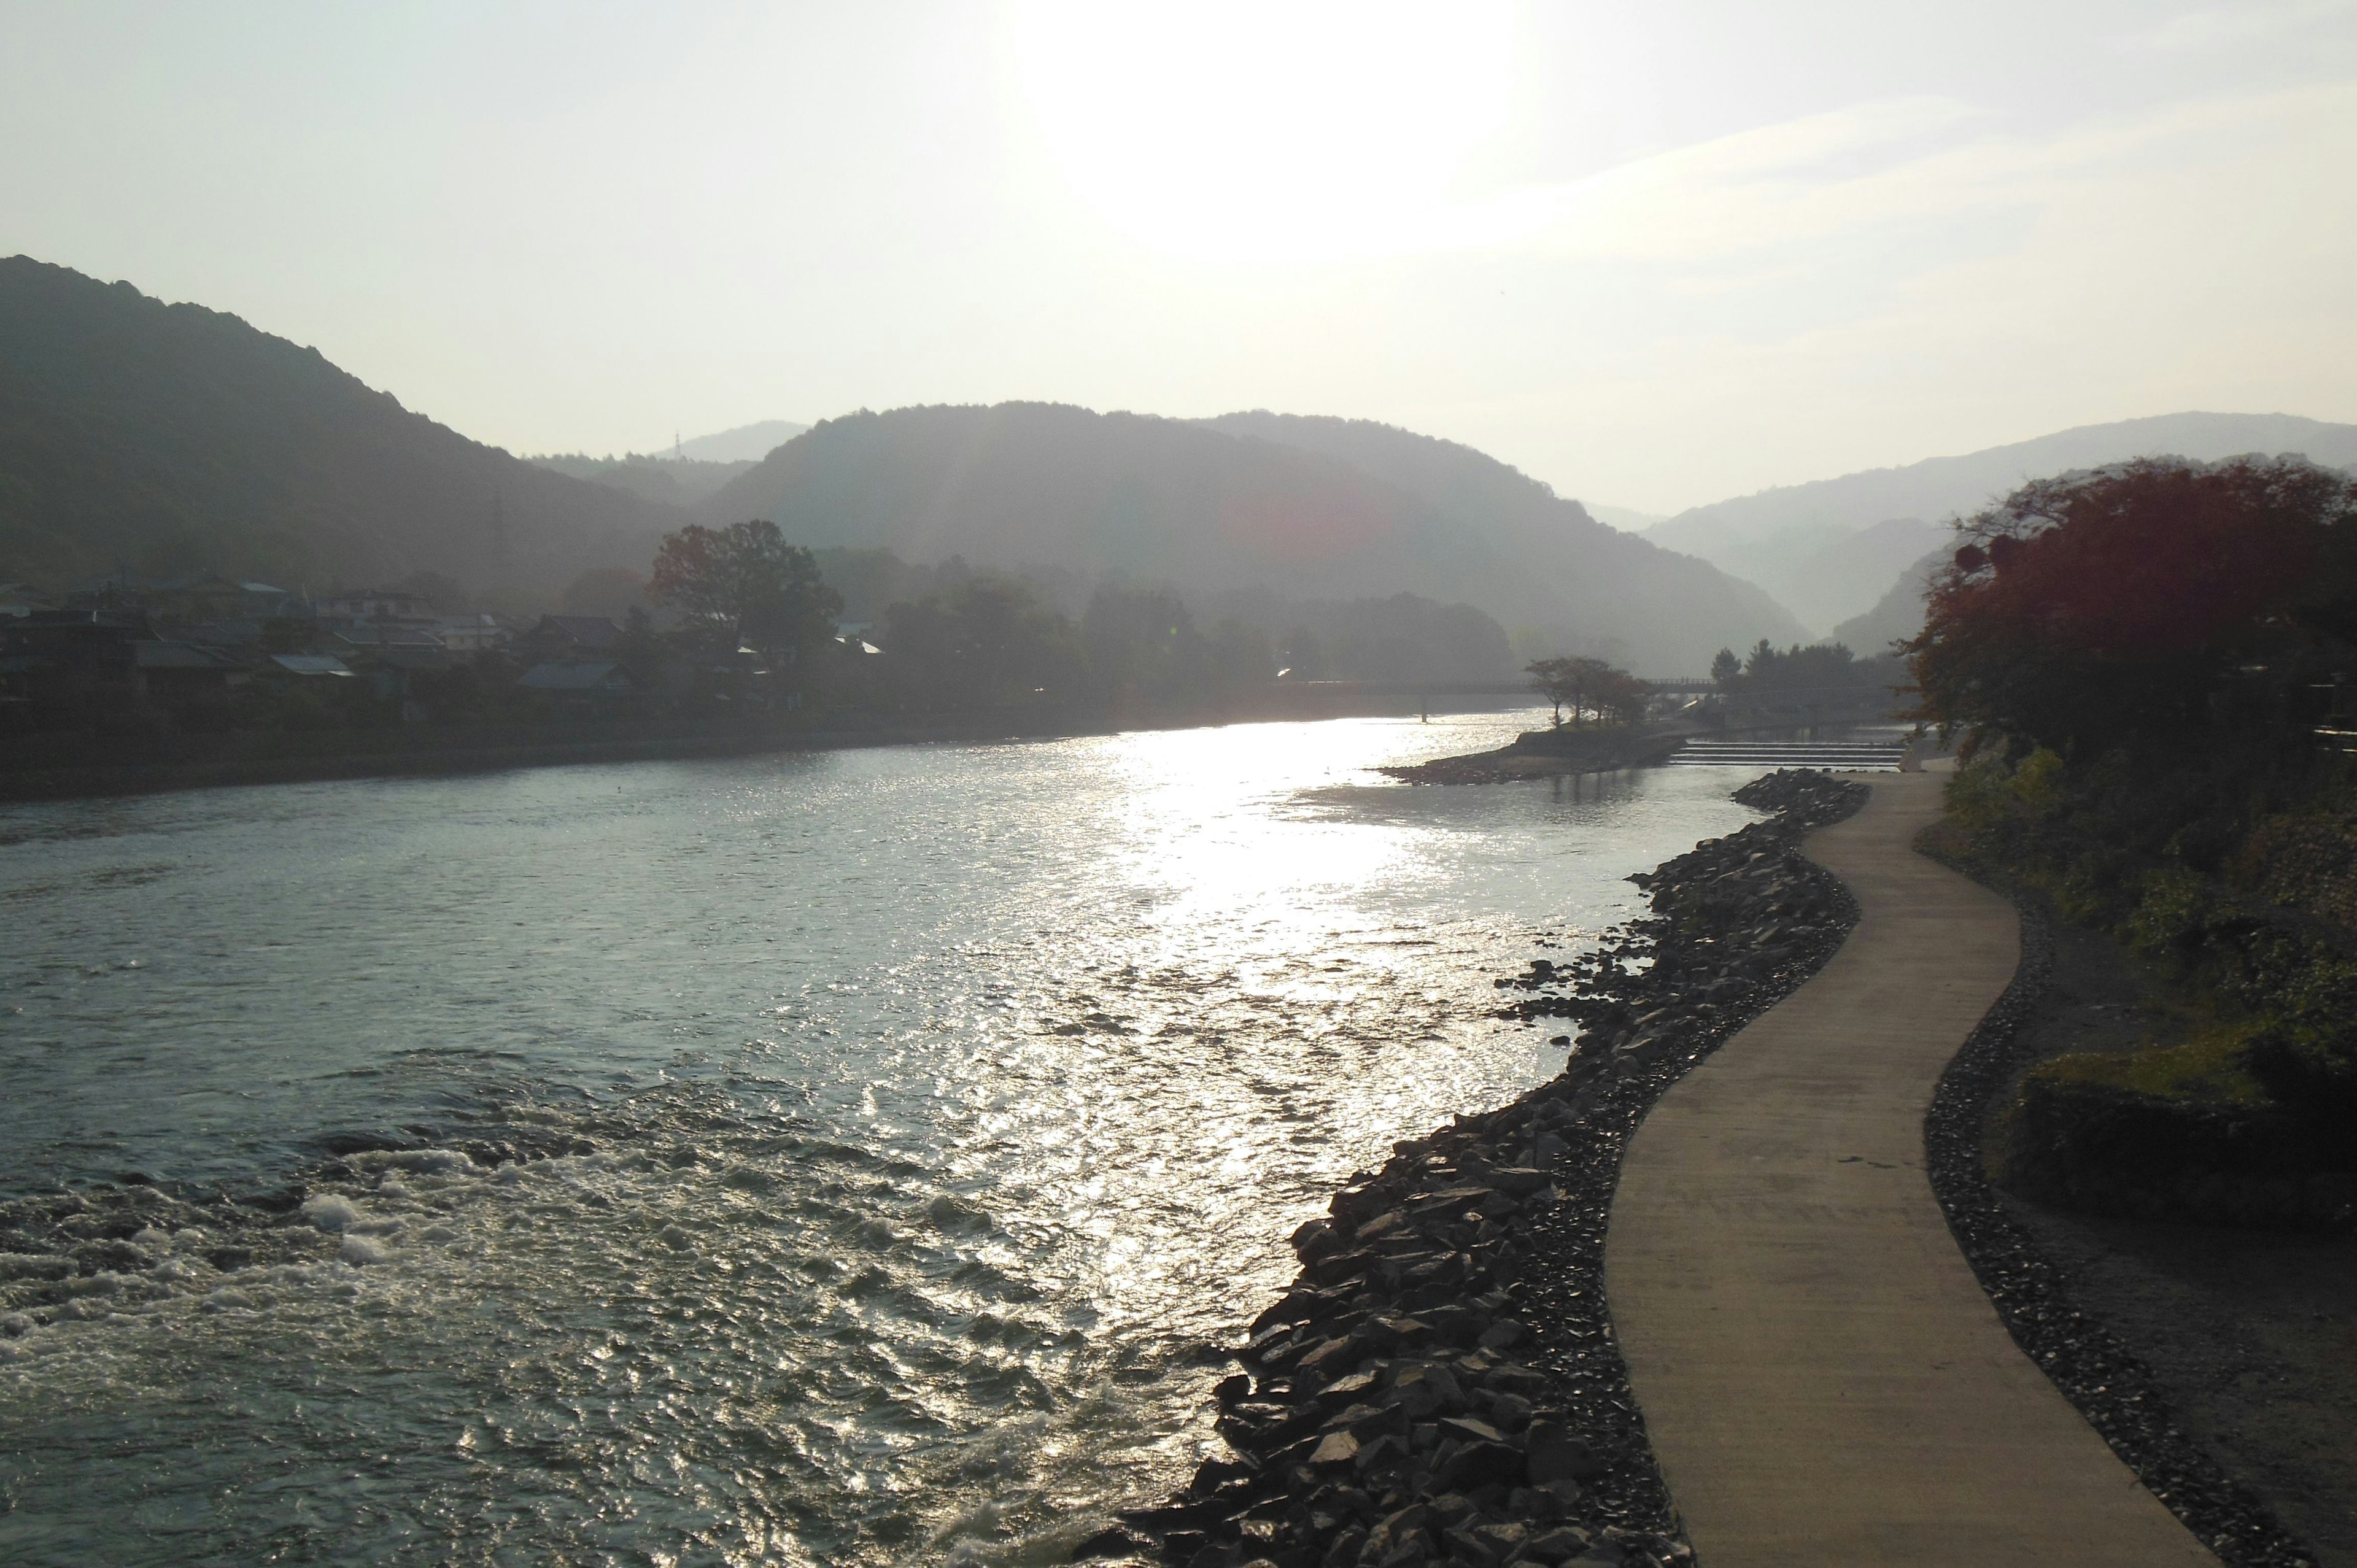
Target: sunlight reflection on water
x=936, y=1111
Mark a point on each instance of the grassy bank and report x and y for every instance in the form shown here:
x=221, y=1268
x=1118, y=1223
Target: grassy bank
x=2232, y=886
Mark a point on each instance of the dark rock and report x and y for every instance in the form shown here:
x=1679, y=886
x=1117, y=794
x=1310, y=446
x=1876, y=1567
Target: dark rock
x=1114, y=1541
x=1393, y=1529
x=1387, y=1333
x=1163, y=1521
x=1335, y=1450
x=1465, y=1429
x=1504, y=1335
x=1513, y=1380
x=1480, y=1465
x=1214, y=1473
x=1457, y=1324
x=1328, y=1356
x=1556, y=1456
x=1510, y=1412
x=1368, y=1421
x=1557, y=1545
x=1390, y=1222
x=1383, y=1454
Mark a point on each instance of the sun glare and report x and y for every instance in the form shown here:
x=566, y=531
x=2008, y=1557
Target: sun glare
x=1267, y=131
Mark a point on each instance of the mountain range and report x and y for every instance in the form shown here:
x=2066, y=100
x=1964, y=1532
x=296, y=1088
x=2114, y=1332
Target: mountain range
x=1310, y=507
x=149, y=439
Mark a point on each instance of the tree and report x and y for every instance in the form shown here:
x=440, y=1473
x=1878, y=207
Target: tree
x=1726, y=669
x=746, y=582
x=2146, y=601
x=1143, y=643
x=1555, y=680
x=1586, y=684
x=1819, y=668
x=1620, y=694
x=985, y=643
x=1242, y=659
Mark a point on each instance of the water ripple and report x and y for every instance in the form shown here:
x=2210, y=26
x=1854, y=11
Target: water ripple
x=855, y=1158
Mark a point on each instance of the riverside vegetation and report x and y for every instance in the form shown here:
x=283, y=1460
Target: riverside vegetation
x=1440, y=1385
x=2150, y=665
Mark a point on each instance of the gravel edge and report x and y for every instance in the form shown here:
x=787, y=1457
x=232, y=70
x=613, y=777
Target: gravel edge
x=2087, y=1363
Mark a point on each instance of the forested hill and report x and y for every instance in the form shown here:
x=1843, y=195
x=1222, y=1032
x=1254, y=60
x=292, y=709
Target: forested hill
x=1213, y=507
x=161, y=440
x=1562, y=567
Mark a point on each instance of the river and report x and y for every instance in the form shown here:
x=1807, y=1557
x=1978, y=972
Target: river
x=909, y=1127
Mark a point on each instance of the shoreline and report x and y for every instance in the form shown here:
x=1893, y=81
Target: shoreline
x=210, y=762
x=1442, y=1380
x=1559, y=753
x=1553, y=754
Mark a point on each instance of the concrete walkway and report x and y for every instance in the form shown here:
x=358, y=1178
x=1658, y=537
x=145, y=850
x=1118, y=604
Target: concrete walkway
x=1823, y=1380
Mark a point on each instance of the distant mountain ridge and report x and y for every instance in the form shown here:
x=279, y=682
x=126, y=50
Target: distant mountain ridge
x=1898, y=614
x=1313, y=508
x=672, y=481
x=744, y=444
x=164, y=439
x=1797, y=542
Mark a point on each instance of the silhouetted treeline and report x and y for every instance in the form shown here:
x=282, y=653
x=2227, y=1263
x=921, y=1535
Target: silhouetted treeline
x=729, y=625
x=1826, y=669
x=983, y=639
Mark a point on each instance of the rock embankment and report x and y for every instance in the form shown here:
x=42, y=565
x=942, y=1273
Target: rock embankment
x=1440, y=1385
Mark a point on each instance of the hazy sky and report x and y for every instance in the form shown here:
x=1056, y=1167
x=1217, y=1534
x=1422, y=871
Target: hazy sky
x=1655, y=253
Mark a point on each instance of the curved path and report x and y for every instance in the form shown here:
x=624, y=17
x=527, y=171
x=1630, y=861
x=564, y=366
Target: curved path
x=1822, y=1377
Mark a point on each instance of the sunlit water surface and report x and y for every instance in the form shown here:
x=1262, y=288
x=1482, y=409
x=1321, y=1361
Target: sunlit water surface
x=949, y=1107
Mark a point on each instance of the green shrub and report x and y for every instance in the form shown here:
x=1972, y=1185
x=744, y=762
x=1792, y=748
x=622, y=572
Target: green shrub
x=2171, y=915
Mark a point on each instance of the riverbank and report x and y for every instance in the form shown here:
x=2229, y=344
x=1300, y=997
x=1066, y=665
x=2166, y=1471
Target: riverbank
x=1611, y=748
x=1442, y=1380
x=58, y=767
x=2216, y=1361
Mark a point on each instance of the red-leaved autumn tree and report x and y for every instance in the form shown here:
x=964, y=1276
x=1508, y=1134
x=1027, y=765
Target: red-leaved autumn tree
x=2148, y=600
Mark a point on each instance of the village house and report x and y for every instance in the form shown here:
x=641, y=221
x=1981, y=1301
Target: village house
x=570, y=637
x=374, y=604
x=481, y=632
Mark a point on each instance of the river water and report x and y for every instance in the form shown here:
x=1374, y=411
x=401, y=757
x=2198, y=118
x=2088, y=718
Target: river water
x=910, y=1126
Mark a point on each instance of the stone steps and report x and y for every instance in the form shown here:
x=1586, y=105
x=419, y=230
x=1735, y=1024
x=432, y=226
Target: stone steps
x=1833, y=756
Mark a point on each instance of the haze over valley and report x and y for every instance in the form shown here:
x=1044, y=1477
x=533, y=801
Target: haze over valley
x=151, y=440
